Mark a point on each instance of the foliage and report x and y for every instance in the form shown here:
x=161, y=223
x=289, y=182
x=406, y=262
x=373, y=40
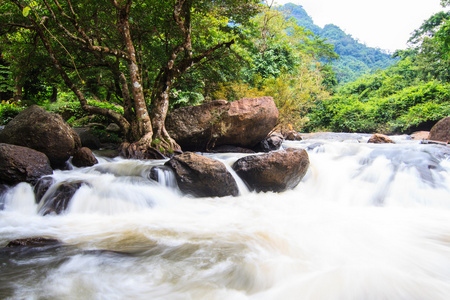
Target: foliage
x=358, y=110
x=106, y=136
x=283, y=62
x=412, y=94
x=128, y=52
x=70, y=109
x=182, y=99
x=6, y=83
x=8, y=110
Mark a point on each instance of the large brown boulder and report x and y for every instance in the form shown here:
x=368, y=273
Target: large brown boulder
x=242, y=123
x=275, y=171
x=441, y=131
x=201, y=176
x=84, y=158
x=21, y=164
x=45, y=132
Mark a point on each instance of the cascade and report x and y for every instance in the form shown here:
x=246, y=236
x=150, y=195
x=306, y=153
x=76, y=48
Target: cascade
x=366, y=222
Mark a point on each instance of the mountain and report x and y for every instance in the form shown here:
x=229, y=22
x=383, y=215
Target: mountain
x=356, y=59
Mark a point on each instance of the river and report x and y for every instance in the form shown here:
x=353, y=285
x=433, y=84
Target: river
x=367, y=222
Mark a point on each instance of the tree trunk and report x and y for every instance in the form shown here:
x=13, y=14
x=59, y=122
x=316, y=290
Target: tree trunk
x=143, y=122
x=54, y=96
x=18, y=89
x=160, y=106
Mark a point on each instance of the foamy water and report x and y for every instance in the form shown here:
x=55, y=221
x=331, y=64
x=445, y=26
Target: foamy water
x=367, y=222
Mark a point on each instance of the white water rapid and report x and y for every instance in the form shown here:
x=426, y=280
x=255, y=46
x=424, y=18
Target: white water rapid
x=367, y=222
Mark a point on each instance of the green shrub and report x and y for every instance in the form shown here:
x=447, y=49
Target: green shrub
x=106, y=136
x=409, y=108
x=70, y=109
x=8, y=110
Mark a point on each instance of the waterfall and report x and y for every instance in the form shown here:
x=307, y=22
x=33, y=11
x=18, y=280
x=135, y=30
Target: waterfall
x=366, y=222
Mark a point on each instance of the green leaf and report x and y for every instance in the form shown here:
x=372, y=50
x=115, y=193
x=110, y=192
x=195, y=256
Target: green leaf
x=26, y=11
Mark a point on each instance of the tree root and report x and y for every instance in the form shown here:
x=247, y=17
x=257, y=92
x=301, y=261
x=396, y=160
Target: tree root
x=146, y=148
x=139, y=151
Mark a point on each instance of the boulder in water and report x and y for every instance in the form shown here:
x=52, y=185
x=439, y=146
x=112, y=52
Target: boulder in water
x=41, y=187
x=21, y=164
x=84, y=158
x=58, y=200
x=292, y=135
x=201, y=176
x=242, y=123
x=45, y=132
x=276, y=171
x=441, y=131
x=270, y=143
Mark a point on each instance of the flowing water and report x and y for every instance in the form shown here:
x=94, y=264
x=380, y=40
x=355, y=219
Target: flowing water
x=366, y=222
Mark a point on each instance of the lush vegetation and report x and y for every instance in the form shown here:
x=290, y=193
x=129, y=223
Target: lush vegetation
x=411, y=95
x=176, y=53
x=131, y=62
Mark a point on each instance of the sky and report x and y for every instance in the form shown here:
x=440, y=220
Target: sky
x=385, y=24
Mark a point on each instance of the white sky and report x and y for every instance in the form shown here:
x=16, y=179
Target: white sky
x=386, y=24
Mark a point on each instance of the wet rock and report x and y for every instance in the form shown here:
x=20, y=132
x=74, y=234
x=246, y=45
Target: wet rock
x=441, y=131
x=84, y=158
x=58, y=200
x=271, y=143
x=41, y=187
x=380, y=139
x=42, y=131
x=29, y=247
x=243, y=123
x=3, y=189
x=292, y=135
x=33, y=242
x=201, y=176
x=276, y=171
x=21, y=164
x=163, y=175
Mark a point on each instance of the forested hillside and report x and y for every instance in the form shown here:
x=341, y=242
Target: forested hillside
x=356, y=59
x=411, y=95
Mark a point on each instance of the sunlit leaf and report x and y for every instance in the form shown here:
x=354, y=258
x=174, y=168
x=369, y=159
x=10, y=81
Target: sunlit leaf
x=26, y=11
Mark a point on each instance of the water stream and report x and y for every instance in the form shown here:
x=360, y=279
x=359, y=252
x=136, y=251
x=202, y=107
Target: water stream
x=367, y=222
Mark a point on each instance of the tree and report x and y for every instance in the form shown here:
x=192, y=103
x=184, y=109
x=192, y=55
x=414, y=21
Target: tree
x=284, y=63
x=134, y=43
